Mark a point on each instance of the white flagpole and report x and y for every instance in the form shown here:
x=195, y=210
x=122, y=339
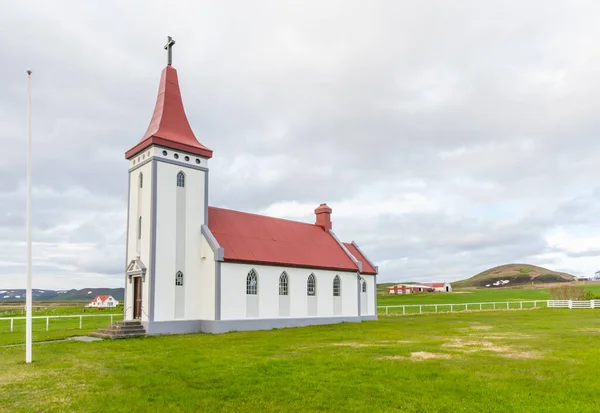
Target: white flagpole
x=28, y=297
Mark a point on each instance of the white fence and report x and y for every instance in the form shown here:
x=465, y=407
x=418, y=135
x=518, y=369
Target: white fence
x=47, y=318
x=573, y=304
x=455, y=307
x=505, y=305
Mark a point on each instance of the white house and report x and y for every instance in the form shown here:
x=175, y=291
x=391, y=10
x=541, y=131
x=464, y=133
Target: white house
x=103, y=301
x=440, y=287
x=192, y=267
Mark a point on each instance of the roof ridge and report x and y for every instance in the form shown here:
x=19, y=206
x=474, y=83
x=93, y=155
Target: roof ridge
x=265, y=216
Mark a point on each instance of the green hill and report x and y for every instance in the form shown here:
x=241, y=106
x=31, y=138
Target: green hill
x=516, y=274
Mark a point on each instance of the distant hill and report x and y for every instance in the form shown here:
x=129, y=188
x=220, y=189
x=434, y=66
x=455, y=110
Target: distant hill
x=516, y=274
x=61, y=295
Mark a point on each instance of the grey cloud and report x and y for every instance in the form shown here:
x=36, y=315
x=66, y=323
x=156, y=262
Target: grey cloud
x=490, y=107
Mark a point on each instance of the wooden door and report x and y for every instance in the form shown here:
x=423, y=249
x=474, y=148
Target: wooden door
x=137, y=298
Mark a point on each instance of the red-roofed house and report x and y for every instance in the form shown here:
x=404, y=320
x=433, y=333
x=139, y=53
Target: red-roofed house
x=193, y=267
x=103, y=301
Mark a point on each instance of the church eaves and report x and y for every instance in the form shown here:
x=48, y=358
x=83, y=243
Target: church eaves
x=169, y=126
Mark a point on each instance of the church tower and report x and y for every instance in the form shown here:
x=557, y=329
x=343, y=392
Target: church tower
x=167, y=206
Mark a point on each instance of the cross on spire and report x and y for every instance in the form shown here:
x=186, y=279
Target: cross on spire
x=169, y=49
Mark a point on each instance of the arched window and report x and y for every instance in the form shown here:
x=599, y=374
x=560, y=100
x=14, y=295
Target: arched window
x=140, y=228
x=181, y=179
x=141, y=180
x=283, y=284
x=311, y=285
x=364, y=286
x=179, y=279
x=252, y=283
x=336, y=286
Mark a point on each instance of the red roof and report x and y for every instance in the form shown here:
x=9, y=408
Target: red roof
x=102, y=298
x=367, y=268
x=260, y=239
x=169, y=126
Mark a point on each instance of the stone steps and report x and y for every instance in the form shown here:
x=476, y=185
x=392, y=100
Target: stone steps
x=121, y=329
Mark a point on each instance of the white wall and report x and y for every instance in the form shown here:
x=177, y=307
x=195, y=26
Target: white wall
x=139, y=204
x=233, y=291
x=201, y=294
x=166, y=259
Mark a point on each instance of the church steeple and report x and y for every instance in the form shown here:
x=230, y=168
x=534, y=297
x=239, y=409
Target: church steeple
x=169, y=126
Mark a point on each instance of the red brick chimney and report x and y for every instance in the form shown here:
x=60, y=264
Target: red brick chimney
x=323, y=213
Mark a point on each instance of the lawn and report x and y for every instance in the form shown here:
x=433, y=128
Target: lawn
x=58, y=328
x=510, y=361
x=474, y=296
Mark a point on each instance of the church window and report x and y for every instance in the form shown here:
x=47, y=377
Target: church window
x=336, y=286
x=311, y=285
x=181, y=179
x=252, y=283
x=141, y=180
x=187, y=158
x=140, y=228
x=364, y=286
x=164, y=153
x=179, y=279
x=176, y=156
x=198, y=161
x=283, y=284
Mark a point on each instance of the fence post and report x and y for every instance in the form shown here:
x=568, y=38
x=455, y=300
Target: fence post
x=47, y=322
x=451, y=307
x=570, y=304
x=11, y=324
x=535, y=304
x=436, y=308
x=521, y=305
x=80, y=321
x=420, y=309
x=403, y=310
x=479, y=306
x=494, y=306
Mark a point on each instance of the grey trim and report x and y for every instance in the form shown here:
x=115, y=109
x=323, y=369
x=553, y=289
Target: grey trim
x=212, y=241
x=127, y=238
x=365, y=255
x=206, y=197
x=217, y=290
x=152, y=275
x=173, y=327
x=352, y=257
x=171, y=161
x=358, y=289
x=139, y=165
x=179, y=163
x=223, y=326
x=369, y=318
x=375, y=294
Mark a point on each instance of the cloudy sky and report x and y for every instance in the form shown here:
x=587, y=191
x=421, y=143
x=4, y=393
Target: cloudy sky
x=447, y=139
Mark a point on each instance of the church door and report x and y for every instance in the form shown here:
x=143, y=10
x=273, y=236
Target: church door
x=137, y=298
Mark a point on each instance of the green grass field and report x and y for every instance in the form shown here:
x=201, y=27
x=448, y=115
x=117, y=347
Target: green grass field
x=511, y=361
x=472, y=296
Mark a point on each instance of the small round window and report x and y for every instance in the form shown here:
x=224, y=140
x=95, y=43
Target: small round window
x=176, y=156
x=198, y=161
x=164, y=153
x=187, y=158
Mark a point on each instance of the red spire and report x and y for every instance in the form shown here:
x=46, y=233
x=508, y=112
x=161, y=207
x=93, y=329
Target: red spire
x=169, y=126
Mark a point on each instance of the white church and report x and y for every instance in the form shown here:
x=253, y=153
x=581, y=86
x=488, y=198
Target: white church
x=192, y=267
